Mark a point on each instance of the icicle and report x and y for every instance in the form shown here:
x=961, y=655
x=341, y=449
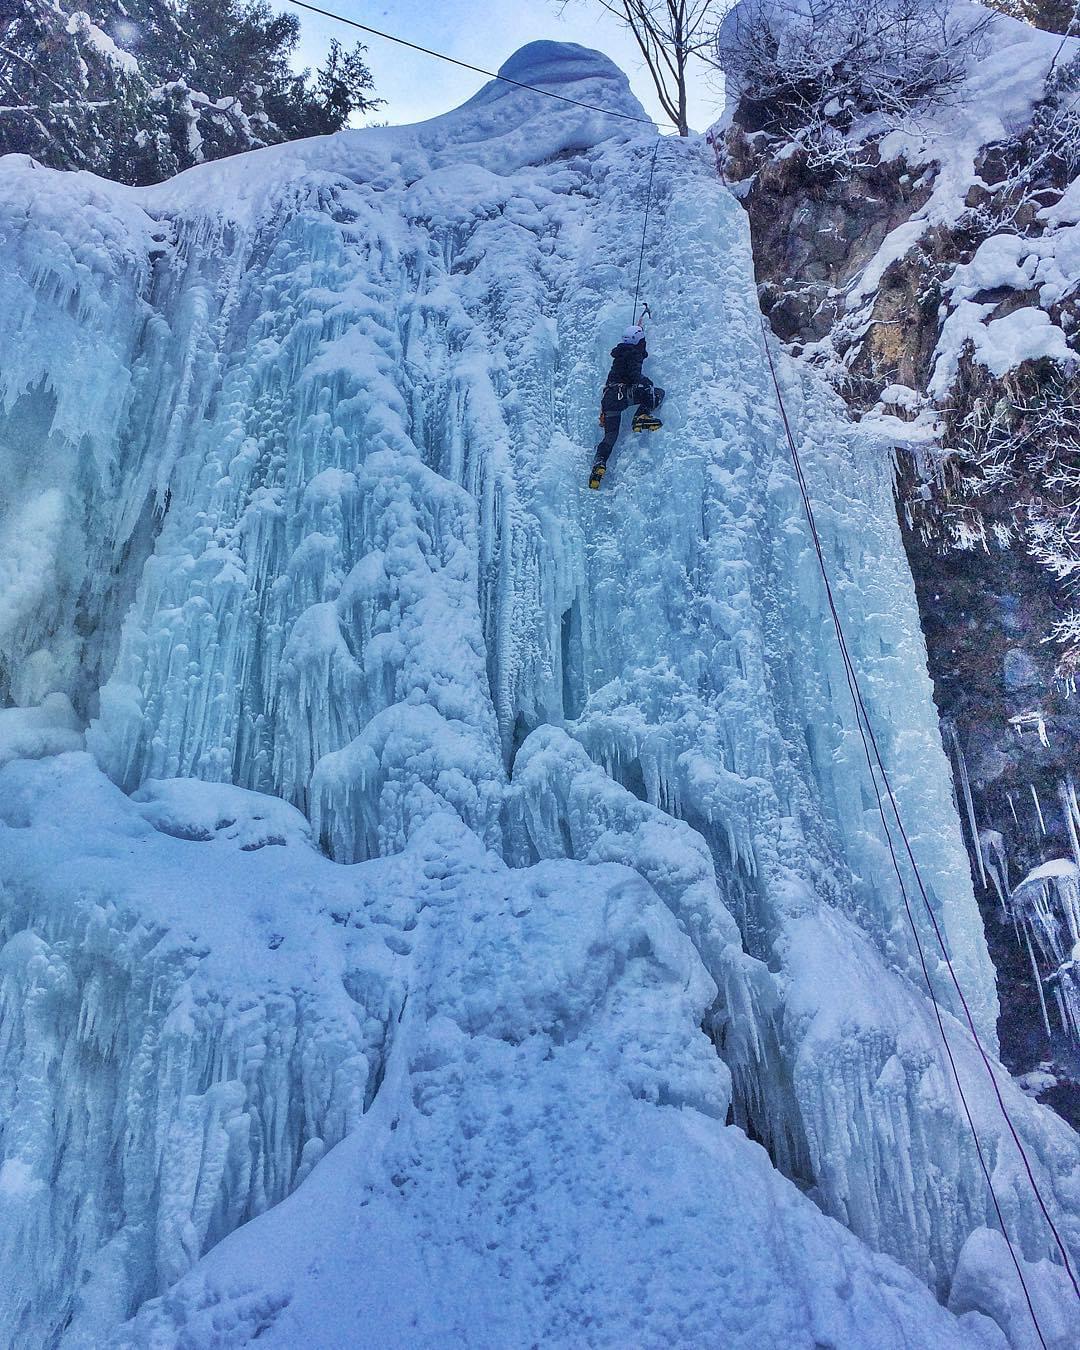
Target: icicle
x=1059, y=1000
x=1071, y=811
x=1035, y=719
x=1038, y=808
x=1037, y=978
x=1048, y=902
x=969, y=805
x=992, y=848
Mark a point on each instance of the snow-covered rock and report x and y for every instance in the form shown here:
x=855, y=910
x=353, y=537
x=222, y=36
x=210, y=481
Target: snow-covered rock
x=30, y=733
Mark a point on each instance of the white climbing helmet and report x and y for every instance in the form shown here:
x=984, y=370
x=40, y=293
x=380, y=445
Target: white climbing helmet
x=634, y=333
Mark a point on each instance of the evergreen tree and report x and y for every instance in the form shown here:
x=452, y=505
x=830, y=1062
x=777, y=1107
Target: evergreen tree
x=138, y=89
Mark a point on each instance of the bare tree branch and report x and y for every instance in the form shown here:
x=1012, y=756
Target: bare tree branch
x=44, y=74
x=668, y=33
x=813, y=68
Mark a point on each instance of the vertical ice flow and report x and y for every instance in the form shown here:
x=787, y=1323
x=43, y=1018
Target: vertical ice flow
x=295, y=451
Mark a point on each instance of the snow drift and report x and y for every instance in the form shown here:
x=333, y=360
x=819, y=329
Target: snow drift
x=293, y=456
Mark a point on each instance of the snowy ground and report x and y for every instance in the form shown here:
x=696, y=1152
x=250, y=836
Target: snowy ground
x=294, y=456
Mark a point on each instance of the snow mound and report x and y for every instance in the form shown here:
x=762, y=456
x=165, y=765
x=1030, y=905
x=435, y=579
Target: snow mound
x=30, y=733
x=188, y=808
x=555, y=65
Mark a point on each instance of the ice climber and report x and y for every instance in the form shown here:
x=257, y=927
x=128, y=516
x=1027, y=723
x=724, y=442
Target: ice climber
x=625, y=385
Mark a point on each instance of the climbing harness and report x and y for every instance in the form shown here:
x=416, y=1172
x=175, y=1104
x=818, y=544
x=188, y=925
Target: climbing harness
x=873, y=755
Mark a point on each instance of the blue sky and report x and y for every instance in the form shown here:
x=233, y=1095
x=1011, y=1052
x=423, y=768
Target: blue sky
x=485, y=34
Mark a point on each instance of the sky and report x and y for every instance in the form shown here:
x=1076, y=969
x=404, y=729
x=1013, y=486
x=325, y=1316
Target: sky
x=485, y=33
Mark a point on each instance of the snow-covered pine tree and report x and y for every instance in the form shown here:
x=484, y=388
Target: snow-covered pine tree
x=138, y=90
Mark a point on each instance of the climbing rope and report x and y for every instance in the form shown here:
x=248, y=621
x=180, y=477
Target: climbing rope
x=644, y=228
x=479, y=70
x=518, y=84
x=873, y=754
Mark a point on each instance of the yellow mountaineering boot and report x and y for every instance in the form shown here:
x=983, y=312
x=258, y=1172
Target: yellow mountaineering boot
x=597, y=475
x=646, y=422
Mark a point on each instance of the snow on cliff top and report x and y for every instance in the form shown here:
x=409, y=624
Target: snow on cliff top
x=1006, y=78
x=502, y=128
x=1005, y=81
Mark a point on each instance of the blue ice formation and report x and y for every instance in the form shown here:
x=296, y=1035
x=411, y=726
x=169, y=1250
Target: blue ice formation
x=441, y=905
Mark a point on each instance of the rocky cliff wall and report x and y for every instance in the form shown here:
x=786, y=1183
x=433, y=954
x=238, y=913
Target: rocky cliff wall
x=932, y=271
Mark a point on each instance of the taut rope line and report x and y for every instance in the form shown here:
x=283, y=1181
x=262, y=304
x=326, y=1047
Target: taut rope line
x=869, y=741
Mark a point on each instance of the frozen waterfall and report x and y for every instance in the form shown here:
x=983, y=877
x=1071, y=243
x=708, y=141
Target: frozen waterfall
x=601, y=1023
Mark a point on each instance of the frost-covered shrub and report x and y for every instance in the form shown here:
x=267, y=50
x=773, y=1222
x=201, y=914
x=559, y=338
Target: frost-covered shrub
x=1010, y=475
x=1011, y=471
x=1030, y=171
x=811, y=68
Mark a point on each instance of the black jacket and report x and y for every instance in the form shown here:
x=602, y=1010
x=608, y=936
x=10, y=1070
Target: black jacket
x=626, y=361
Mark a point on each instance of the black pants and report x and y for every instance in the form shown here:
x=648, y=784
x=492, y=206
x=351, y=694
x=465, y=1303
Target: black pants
x=617, y=398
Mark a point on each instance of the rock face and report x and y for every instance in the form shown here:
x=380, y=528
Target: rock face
x=814, y=232
x=865, y=269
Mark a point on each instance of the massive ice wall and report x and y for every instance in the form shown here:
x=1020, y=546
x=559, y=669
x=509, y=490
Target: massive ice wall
x=294, y=450
x=179, y=1041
